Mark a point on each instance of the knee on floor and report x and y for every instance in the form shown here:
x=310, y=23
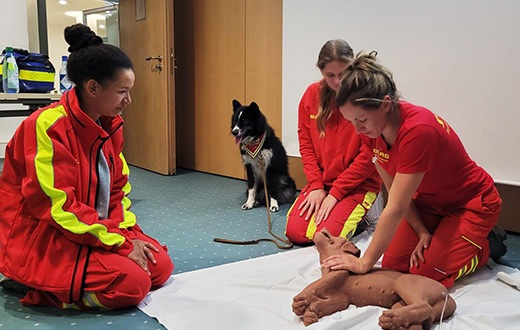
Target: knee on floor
x=161, y=272
x=131, y=291
x=297, y=238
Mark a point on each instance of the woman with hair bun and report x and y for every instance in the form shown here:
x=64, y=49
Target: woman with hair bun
x=66, y=229
x=441, y=205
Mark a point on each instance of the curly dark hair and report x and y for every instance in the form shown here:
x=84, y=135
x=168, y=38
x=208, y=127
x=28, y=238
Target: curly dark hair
x=90, y=58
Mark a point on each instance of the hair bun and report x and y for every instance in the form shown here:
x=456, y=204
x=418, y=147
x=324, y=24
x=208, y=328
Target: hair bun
x=79, y=36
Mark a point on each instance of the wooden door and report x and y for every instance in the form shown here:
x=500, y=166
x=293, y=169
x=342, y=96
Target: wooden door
x=146, y=35
x=226, y=49
x=211, y=61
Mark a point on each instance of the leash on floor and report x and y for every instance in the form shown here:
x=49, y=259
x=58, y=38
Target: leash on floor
x=281, y=243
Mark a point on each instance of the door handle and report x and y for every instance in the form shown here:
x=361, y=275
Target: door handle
x=158, y=66
x=158, y=58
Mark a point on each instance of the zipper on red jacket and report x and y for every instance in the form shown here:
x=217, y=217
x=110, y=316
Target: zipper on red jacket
x=98, y=185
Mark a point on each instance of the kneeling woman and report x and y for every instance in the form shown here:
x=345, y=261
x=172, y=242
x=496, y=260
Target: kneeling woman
x=66, y=231
x=342, y=183
x=449, y=203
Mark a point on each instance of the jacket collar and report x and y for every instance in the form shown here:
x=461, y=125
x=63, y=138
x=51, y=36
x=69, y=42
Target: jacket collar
x=83, y=124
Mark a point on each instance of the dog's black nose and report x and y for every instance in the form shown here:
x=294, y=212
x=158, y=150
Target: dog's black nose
x=234, y=131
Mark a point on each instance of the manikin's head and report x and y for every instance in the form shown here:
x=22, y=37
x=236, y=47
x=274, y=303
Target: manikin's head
x=329, y=245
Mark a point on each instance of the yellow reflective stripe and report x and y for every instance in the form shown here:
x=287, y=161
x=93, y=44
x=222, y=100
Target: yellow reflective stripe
x=369, y=199
x=70, y=306
x=311, y=228
x=461, y=273
x=470, y=241
x=43, y=163
x=352, y=221
x=357, y=215
x=469, y=268
x=350, y=225
x=90, y=299
x=474, y=264
x=129, y=218
x=36, y=76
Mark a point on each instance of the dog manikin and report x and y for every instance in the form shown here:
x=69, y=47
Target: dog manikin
x=413, y=301
x=262, y=152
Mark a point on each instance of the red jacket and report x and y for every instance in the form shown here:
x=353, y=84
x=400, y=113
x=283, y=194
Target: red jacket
x=338, y=162
x=48, y=217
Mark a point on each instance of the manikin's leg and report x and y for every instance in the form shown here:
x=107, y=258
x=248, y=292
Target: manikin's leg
x=419, y=308
x=322, y=297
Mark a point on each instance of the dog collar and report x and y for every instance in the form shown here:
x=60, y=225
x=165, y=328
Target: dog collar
x=255, y=146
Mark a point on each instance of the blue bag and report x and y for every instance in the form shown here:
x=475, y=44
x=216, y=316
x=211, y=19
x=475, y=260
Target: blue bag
x=35, y=71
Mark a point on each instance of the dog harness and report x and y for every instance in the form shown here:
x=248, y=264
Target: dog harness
x=255, y=146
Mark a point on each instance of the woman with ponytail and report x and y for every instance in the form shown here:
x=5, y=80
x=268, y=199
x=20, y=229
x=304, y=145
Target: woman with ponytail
x=342, y=183
x=441, y=205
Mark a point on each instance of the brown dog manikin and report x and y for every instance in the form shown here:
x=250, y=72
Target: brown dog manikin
x=414, y=301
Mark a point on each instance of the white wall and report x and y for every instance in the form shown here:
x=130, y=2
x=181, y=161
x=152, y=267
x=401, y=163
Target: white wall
x=14, y=32
x=57, y=44
x=32, y=26
x=460, y=58
x=15, y=17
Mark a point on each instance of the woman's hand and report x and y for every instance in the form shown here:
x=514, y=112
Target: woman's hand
x=346, y=262
x=418, y=253
x=312, y=203
x=324, y=210
x=142, y=253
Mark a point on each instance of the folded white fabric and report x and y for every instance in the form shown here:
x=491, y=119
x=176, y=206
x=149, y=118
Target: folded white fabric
x=512, y=280
x=256, y=294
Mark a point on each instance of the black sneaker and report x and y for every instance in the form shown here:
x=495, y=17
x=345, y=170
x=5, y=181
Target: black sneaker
x=12, y=285
x=496, y=239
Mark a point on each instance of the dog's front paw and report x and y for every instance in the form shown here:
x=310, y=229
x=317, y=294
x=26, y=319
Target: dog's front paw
x=247, y=206
x=274, y=206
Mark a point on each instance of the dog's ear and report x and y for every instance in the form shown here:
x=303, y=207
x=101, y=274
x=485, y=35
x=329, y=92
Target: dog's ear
x=351, y=248
x=236, y=105
x=253, y=105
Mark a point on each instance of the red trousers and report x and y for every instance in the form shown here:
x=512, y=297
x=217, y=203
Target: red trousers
x=112, y=281
x=342, y=220
x=459, y=242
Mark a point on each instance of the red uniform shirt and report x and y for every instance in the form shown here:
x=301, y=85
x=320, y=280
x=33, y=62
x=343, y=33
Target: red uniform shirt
x=338, y=162
x=426, y=143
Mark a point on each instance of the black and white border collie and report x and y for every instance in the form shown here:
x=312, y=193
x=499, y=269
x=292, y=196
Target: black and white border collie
x=261, y=150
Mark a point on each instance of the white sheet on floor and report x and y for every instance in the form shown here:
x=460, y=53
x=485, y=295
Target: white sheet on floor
x=257, y=294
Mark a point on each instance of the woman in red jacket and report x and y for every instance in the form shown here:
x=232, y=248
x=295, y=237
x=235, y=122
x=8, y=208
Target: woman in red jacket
x=441, y=204
x=342, y=183
x=66, y=231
